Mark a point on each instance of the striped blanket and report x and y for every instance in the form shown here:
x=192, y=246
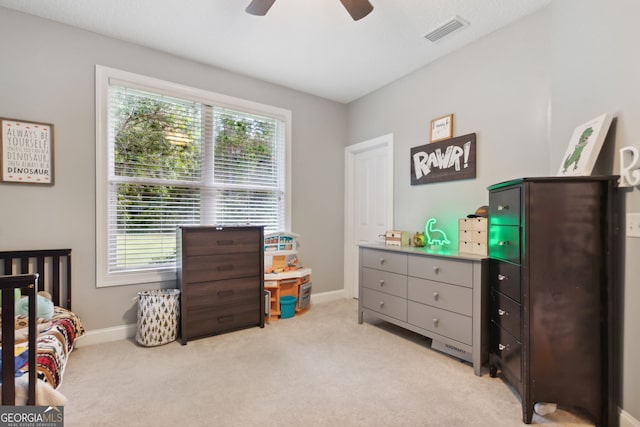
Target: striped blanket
x=54, y=344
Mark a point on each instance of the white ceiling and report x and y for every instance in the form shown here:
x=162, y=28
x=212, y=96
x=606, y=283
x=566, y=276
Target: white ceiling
x=309, y=45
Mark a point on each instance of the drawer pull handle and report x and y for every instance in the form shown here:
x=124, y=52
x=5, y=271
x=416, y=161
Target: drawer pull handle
x=436, y=269
x=503, y=207
x=228, y=267
x=381, y=282
x=502, y=312
x=225, y=319
x=381, y=260
x=502, y=277
x=503, y=347
x=436, y=296
x=504, y=243
x=381, y=304
x=226, y=293
x=224, y=242
x=435, y=322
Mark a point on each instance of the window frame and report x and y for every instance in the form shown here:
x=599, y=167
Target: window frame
x=104, y=75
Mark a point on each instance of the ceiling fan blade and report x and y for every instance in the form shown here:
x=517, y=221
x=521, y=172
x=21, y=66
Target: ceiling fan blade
x=259, y=7
x=358, y=9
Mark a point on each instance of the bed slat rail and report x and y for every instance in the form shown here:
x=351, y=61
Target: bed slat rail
x=28, y=284
x=41, y=257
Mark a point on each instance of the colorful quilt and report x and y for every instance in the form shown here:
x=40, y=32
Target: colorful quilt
x=54, y=344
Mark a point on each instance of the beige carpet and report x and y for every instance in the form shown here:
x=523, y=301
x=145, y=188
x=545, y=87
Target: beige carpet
x=318, y=369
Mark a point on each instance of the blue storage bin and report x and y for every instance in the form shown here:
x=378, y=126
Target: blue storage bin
x=287, y=306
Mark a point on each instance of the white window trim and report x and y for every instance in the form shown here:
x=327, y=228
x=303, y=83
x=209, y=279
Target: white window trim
x=103, y=76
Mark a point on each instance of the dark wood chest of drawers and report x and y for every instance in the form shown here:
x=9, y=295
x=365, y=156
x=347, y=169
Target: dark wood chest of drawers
x=220, y=276
x=551, y=243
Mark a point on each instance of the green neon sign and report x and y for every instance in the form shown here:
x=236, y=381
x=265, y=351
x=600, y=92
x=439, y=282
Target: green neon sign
x=435, y=236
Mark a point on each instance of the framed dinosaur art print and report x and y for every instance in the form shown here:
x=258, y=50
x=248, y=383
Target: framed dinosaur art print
x=584, y=147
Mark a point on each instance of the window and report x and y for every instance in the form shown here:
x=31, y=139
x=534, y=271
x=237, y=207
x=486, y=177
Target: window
x=170, y=155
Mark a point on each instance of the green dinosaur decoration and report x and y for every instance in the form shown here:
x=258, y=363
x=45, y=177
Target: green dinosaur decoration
x=435, y=236
x=574, y=157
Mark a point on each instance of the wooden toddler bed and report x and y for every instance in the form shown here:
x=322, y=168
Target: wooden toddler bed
x=47, y=272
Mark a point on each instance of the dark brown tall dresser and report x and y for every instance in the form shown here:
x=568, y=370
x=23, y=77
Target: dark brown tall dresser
x=551, y=243
x=221, y=279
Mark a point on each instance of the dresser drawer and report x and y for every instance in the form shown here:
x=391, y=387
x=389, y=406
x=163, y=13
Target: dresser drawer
x=204, y=321
x=384, y=260
x=386, y=304
x=441, y=270
x=474, y=236
x=472, y=224
x=506, y=313
x=504, y=242
x=383, y=281
x=441, y=295
x=445, y=323
x=211, y=241
x=505, y=278
x=223, y=293
x=220, y=267
x=509, y=352
x=504, y=206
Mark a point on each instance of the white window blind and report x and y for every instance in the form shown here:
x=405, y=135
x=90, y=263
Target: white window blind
x=173, y=160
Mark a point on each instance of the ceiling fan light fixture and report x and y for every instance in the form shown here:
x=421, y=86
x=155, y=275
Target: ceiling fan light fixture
x=358, y=9
x=259, y=7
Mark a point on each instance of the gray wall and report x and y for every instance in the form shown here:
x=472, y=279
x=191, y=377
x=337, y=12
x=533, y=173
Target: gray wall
x=49, y=77
x=522, y=90
x=497, y=88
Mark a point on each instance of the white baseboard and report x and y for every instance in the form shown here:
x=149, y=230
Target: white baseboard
x=105, y=335
x=626, y=420
x=125, y=332
x=328, y=296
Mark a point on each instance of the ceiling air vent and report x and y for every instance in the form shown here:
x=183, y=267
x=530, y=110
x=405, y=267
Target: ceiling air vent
x=445, y=29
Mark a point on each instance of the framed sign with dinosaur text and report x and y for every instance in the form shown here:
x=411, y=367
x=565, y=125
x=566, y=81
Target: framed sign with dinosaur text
x=584, y=147
x=26, y=152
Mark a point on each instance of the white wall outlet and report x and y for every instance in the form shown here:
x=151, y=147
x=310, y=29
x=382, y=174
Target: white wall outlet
x=633, y=225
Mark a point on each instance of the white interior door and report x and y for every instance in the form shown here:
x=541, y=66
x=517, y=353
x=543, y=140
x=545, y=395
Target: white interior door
x=368, y=200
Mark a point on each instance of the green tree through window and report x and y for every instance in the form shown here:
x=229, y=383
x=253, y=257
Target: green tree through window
x=165, y=176
x=154, y=140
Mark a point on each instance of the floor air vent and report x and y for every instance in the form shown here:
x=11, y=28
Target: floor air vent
x=445, y=29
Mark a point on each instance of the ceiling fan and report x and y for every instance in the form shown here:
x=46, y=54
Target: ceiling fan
x=358, y=9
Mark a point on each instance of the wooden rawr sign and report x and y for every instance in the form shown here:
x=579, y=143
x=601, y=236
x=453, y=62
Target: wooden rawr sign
x=447, y=160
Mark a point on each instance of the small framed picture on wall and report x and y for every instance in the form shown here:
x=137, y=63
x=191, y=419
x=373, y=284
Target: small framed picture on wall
x=26, y=152
x=441, y=128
